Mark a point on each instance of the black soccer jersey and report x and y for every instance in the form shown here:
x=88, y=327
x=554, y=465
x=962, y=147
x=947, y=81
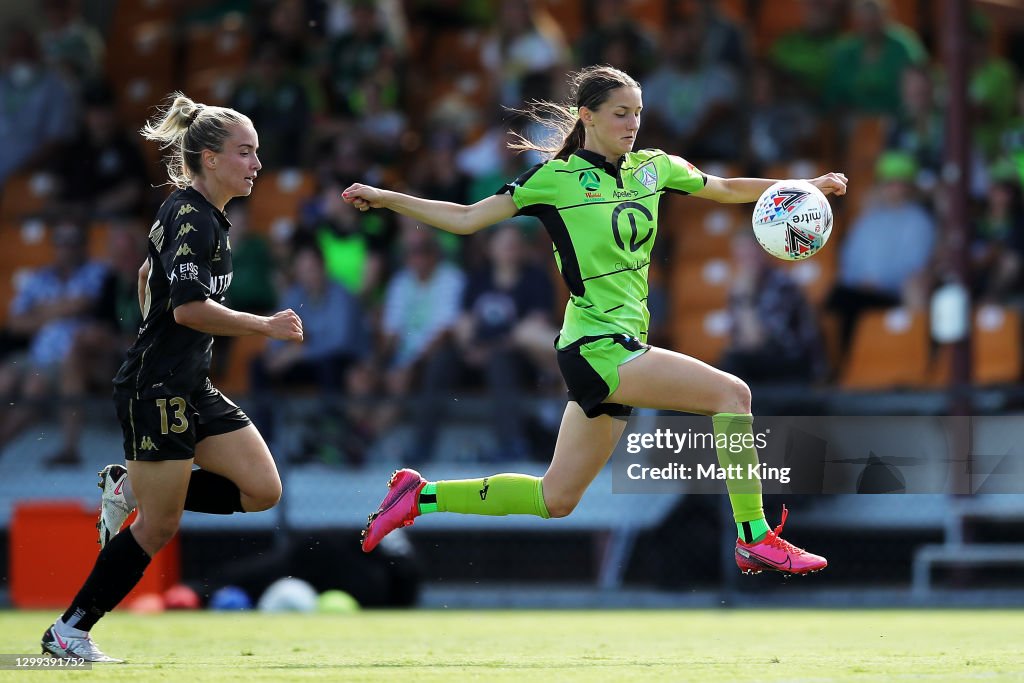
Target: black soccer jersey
x=190, y=259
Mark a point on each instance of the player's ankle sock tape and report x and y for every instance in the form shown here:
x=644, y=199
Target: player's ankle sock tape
x=502, y=494
x=736, y=448
x=752, y=531
x=428, y=498
x=213, y=494
x=118, y=568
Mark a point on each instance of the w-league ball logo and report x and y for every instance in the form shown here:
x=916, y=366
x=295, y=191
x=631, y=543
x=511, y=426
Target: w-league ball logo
x=792, y=220
x=590, y=181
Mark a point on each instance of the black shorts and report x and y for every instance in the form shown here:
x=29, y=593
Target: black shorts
x=590, y=368
x=167, y=425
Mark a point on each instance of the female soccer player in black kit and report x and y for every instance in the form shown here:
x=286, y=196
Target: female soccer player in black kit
x=171, y=415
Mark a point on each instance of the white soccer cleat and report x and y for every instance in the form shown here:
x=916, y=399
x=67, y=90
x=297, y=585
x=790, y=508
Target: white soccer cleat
x=69, y=647
x=114, y=505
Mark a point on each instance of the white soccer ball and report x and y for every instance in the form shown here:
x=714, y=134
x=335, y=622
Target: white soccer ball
x=288, y=595
x=792, y=220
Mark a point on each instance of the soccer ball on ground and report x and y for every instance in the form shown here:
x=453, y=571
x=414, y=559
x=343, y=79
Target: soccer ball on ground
x=792, y=220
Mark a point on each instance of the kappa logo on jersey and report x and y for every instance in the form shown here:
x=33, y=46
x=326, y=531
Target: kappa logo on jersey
x=156, y=235
x=189, y=271
x=184, y=250
x=187, y=209
x=146, y=444
x=648, y=176
x=184, y=230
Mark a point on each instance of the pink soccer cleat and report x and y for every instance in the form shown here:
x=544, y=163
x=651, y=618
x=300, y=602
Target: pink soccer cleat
x=398, y=509
x=775, y=554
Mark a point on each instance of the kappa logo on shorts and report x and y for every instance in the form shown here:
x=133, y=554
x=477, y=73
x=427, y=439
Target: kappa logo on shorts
x=483, y=491
x=146, y=444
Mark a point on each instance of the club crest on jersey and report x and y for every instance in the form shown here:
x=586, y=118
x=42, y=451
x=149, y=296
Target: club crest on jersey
x=648, y=176
x=188, y=208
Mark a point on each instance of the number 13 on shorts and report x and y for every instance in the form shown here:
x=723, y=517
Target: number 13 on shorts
x=177, y=405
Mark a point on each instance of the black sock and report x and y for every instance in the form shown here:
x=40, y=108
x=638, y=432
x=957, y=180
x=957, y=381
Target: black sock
x=213, y=494
x=118, y=568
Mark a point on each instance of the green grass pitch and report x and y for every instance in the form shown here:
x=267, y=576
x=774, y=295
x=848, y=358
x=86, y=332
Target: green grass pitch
x=423, y=646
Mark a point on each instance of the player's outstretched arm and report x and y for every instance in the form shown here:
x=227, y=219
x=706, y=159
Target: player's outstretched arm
x=455, y=218
x=212, y=318
x=744, y=190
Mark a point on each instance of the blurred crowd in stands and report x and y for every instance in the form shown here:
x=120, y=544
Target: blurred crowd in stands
x=419, y=95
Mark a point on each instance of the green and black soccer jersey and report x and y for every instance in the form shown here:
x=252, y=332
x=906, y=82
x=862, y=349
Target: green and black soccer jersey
x=603, y=220
x=190, y=258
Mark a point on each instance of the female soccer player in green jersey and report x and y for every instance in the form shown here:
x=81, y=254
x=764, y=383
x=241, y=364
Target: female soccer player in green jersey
x=598, y=200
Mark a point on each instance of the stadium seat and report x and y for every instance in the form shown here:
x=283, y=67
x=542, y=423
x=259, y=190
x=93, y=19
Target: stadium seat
x=889, y=350
x=145, y=49
x=815, y=275
x=996, y=345
x=211, y=86
x=6, y=294
x=703, y=335
x=700, y=285
x=26, y=245
x=225, y=45
x=995, y=350
x=137, y=99
x=235, y=378
x=774, y=19
x=650, y=13
x=568, y=16
x=701, y=229
x=99, y=241
x=25, y=195
x=130, y=13
x=276, y=203
x=798, y=168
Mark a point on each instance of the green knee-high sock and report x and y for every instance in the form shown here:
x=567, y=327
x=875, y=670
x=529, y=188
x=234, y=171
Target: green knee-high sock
x=734, y=442
x=501, y=494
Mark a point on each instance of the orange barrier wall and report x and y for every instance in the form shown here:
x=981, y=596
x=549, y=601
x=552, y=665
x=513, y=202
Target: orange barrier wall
x=52, y=550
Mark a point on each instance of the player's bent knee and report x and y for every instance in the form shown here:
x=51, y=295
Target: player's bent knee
x=737, y=397
x=559, y=507
x=260, y=504
x=264, y=499
x=155, y=534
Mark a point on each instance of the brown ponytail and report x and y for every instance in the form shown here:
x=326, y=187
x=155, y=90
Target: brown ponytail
x=588, y=87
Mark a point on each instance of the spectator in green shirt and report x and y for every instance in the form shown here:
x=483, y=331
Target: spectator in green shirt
x=805, y=54
x=867, y=65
